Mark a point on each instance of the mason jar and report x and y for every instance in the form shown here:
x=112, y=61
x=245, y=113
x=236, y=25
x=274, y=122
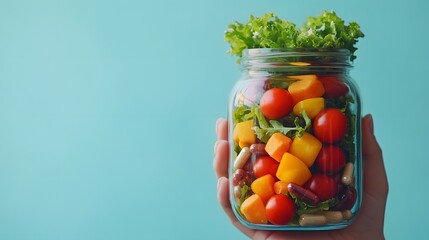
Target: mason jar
x=295, y=140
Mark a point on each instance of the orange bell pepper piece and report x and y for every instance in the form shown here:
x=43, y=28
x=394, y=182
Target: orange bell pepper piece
x=253, y=210
x=263, y=186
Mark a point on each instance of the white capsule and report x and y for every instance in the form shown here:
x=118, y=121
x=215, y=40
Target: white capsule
x=242, y=158
x=312, y=220
x=237, y=192
x=347, y=214
x=333, y=216
x=347, y=177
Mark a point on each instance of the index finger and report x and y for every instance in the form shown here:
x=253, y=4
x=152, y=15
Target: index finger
x=222, y=129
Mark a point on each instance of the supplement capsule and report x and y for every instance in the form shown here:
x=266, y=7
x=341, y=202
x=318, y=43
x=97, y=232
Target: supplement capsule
x=312, y=220
x=258, y=149
x=302, y=193
x=347, y=177
x=237, y=192
x=242, y=158
x=347, y=214
x=333, y=216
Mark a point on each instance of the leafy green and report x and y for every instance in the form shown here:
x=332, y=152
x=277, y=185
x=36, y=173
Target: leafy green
x=244, y=194
x=303, y=207
x=300, y=130
x=243, y=113
x=266, y=129
x=269, y=31
x=329, y=31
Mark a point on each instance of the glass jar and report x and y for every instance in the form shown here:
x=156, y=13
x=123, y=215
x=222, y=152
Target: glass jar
x=295, y=133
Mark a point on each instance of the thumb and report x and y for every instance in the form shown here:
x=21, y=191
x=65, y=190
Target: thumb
x=375, y=179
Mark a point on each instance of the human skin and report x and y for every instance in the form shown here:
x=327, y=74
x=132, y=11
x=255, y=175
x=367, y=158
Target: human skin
x=369, y=222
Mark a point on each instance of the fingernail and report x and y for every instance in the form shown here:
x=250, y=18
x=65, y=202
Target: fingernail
x=371, y=123
x=217, y=124
x=218, y=182
x=215, y=146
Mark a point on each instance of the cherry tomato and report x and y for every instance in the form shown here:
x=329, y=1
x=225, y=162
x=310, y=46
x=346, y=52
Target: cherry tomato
x=331, y=159
x=334, y=86
x=330, y=125
x=280, y=209
x=347, y=199
x=265, y=165
x=322, y=185
x=276, y=103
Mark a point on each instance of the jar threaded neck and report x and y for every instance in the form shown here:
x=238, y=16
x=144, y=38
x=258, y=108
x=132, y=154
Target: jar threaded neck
x=280, y=59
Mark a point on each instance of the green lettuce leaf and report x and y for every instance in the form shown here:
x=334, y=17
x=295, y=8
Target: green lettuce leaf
x=269, y=31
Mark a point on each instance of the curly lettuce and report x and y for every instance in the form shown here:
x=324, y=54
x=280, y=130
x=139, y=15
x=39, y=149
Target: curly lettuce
x=269, y=31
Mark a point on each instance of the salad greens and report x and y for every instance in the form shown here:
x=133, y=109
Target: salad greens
x=269, y=31
x=267, y=129
x=243, y=113
x=304, y=207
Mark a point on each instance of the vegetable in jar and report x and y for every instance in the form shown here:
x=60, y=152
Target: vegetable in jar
x=296, y=113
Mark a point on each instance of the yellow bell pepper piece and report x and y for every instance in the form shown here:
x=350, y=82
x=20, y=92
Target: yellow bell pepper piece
x=243, y=134
x=311, y=106
x=293, y=170
x=306, y=148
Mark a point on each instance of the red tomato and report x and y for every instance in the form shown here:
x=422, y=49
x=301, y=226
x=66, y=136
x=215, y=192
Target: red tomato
x=334, y=86
x=322, y=185
x=280, y=209
x=331, y=159
x=330, y=125
x=347, y=199
x=265, y=165
x=276, y=103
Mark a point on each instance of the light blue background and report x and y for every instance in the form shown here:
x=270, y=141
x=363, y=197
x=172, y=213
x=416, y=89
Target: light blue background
x=107, y=112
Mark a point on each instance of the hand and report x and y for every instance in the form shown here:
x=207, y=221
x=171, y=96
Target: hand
x=370, y=219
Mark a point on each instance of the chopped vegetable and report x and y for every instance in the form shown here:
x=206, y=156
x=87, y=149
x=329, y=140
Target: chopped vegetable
x=311, y=106
x=292, y=169
x=243, y=134
x=263, y=186
x=308, y=87
x=253, y=210
x=280, y=187
x=277, y=145
x=306, y=148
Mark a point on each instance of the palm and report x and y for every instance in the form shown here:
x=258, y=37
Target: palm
x=370, y=220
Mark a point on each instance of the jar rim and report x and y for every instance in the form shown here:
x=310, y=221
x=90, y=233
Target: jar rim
x=294, y=51
x=315, y=57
